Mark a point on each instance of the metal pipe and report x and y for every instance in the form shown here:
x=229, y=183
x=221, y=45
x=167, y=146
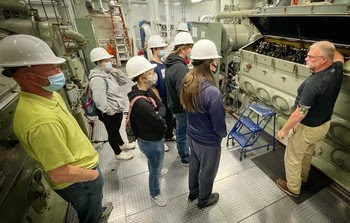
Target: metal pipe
x=224, y=15
x=13, y=6
x=167, y=18
x=203, y=17
x=77, y=37
x=101, y=5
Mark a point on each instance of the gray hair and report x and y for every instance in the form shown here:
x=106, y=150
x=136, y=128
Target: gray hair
x=327, y=48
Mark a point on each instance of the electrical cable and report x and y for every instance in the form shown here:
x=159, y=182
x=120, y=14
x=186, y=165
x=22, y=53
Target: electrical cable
x=54, y=9
x=42, y=4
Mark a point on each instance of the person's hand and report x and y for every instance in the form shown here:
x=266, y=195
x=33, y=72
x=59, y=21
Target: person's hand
x=96, y=174
x=114, y=71
x=281, y=134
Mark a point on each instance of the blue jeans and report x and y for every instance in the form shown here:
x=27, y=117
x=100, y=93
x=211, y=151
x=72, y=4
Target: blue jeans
x=181, y=140
x=154, y=151
x=86, y=198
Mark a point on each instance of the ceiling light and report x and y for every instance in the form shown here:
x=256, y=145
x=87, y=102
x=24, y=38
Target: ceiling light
x=193, y=1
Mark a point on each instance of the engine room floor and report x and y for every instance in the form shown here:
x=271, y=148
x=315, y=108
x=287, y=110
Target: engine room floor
x=246, y=193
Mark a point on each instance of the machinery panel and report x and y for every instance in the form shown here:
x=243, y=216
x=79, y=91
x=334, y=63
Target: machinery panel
x=273, y=67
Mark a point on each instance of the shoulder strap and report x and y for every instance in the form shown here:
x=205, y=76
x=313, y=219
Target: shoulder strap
x=151, y=100
x=107, y=85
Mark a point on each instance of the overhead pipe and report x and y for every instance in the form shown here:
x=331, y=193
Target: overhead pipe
x=77, y=37
x=167, y=18
x=13, y=6
x=225, y=15
x=203, y=17
x=101, y=5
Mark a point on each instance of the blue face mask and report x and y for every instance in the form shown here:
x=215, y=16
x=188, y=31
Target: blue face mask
x=57, y=81
x=162, y=53
x=108, y=67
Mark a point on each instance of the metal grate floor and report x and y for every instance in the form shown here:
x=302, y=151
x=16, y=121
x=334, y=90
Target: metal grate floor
x=246, y=193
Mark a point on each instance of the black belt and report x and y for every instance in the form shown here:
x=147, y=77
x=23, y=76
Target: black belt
x=94, y=168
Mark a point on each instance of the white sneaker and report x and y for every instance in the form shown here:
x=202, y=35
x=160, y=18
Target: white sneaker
x=124, y=155
x=171, y=139
x=166, y=148
x=127, y=146
x=163, y=172
x=160, y=200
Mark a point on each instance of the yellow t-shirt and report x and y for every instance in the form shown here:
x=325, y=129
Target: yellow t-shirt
x=50, y=134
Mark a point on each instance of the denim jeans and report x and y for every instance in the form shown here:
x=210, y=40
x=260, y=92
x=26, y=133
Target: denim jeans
x=181, y=140
x=86, y=198
x=154, y=151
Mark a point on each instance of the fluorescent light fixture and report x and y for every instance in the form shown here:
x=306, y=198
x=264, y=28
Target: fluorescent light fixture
x=177, y=3
x=194, y=1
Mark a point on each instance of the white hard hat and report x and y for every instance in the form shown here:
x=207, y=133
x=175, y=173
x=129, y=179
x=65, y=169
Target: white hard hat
x=182, y=27
x=138, y=65
x=204, y=49
x=155, y=41
x=98, y=54
x=182, y=39
x=25, y=50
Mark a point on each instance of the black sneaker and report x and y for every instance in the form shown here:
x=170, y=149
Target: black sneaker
x=192, y=197
x=214, y=197
x=107, y=209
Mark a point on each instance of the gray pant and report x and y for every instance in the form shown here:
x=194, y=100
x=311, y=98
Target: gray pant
x=204, y=164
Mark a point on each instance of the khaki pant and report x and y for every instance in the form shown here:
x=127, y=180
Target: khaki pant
x=297, y=158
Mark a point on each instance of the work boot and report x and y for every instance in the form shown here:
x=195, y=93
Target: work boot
x=282, y=184
x=107, y=209
x=192, y=197
x=214, y=197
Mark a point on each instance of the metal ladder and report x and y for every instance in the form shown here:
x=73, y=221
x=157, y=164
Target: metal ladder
x=252, y=130
x=121, y=38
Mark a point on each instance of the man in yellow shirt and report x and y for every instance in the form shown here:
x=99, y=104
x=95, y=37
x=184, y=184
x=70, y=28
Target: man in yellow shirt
x=47, y=130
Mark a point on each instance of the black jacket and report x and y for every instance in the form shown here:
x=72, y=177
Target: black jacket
x=147, y=122
x=175, y=71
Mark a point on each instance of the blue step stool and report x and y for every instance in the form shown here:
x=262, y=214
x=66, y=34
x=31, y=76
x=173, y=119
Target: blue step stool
x=253, y=130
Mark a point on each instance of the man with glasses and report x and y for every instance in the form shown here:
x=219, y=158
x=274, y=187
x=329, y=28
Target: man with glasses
x=47, y=130
x=310, y=121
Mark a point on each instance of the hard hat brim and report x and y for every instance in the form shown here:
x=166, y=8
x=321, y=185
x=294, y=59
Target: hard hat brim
x=57, y=60
x=163, y=45
x=184, y=43
x=143, y=71
x=103, y=58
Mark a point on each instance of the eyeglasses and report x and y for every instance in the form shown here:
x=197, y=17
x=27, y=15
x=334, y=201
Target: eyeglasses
x=312, y=57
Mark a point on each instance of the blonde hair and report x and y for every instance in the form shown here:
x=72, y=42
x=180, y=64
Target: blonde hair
x=192, y=85
x=179, y=48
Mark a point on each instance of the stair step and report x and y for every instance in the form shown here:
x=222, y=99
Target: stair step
x=247, y=122
x=262, y=110
x=242, y=141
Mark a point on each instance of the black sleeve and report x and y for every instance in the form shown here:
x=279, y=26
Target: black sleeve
x=180, y=75
x=143, y=110
x=338, y=66
x=160, y=106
